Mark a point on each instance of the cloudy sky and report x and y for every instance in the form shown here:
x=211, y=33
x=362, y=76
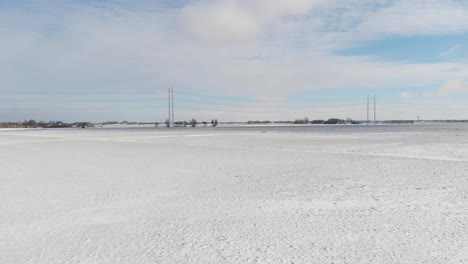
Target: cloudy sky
x=233, y=59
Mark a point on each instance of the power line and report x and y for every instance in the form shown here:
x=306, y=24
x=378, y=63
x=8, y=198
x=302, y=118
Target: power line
x=422, y=107
x=79, y=108
x=248, y=99
x=402, y=112
x=204, y=100
x=432, y=107
x=61, y=92
x=81, y=100
x=252, y=112
x=264, y=106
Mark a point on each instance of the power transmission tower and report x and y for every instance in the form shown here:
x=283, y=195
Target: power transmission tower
x=375, y=110
x=367, y=120
x=169, y=106
x=374, y=105
x=172, y=93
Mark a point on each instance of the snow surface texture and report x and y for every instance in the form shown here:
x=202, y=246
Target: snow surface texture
x=384, y=194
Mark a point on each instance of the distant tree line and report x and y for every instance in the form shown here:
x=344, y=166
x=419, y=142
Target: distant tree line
x=304, y=120
x=35, y=124
x=331, y=121
x=60, y=124
x=192, y=123
x=398, y=122
x=43, y=124
x=258, y=122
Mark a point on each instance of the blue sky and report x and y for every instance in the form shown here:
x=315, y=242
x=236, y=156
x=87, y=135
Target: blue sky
x=288, y=59
x=424, y=49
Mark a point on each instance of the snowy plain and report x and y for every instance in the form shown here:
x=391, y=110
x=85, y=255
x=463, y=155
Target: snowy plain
x=319, y=194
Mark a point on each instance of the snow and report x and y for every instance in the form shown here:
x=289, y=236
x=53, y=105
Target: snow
x=343, y=194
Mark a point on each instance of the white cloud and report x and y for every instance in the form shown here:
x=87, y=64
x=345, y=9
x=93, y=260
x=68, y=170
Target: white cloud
x=407, y=95
x=455, y=49
x=452, y=87
x=234, y=47
x=356, y=21
x=418, y=17
x=239, y=20
x=223, y=21
x=428, y=94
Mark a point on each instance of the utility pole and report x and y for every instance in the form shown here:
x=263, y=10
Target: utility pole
x=367, y=120
x=375, y=110
x=169, y=105
x=173, y=119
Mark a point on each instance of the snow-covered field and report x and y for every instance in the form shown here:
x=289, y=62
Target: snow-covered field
x=344, y=194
